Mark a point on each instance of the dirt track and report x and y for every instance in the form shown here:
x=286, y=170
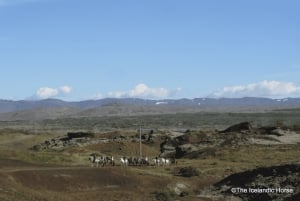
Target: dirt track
x=25, y=181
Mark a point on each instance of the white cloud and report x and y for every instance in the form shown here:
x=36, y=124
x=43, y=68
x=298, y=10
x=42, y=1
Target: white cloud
x=265, y=88
x=143, y=91
x=65, y=89
x=47, y=92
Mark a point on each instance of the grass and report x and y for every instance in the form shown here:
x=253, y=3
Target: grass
x=16, y=137
x=227, y=161
x=285, y=118
x=164, y=195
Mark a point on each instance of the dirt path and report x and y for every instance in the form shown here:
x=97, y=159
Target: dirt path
x=23, y=169
x=78, y=182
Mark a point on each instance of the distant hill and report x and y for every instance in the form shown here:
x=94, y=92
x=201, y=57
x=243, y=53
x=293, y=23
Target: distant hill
x=54, y=108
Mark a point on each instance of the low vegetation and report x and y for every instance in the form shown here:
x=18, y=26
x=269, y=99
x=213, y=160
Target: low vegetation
x=66, y=173
x=188, y=172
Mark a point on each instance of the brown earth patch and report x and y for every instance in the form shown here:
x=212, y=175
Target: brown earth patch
x=12, y=163
x=74, y=179
x=79, y=183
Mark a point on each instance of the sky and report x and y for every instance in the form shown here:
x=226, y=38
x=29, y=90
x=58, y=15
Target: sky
x=155, y=49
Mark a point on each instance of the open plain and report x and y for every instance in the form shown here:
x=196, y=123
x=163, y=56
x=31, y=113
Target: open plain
x=39, y=161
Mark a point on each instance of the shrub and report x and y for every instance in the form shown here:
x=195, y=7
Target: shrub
x=164, y=195
x=188, y=172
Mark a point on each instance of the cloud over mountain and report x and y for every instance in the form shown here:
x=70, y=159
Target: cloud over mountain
x=271, y=89
x=47, y=92
x=144, y=91
x=65, y=89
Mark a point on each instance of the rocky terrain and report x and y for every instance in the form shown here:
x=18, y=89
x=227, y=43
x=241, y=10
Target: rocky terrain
x=213, y=153
x=275, y=183
x=181, y=143
x=189, y=145
x=83, y=139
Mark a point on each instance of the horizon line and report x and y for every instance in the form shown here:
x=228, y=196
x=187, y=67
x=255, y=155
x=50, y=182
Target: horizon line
x=149, y=99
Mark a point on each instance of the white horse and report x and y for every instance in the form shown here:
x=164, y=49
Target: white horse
x=124, y=161
x=101, y=160
x=98, y=160
x=112, y=161
x=165, y=161
x=168, y=161
x=161, y=161
x=146, y=161
x=108, y=160
x=156, y=161
x=143, y=161
x=94, y=159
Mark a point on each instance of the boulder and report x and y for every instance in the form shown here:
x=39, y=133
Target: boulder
x=285, y=177
x=279, y=132
x=185, y=149
x=241, y=127
x=79, y=135
x=168, y=148
x=179, y=189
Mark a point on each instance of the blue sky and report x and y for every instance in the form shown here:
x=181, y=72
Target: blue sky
x=76, y=50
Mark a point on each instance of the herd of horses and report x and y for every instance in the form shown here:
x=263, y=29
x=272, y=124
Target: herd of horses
x=103, y=160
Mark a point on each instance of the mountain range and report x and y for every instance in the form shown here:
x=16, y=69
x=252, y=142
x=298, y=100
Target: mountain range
x=55, y=108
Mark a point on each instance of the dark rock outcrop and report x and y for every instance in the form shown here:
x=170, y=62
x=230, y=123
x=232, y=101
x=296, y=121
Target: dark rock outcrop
x=273, y=181
x=79, y=135
x=60, y=143
x=241, y=127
